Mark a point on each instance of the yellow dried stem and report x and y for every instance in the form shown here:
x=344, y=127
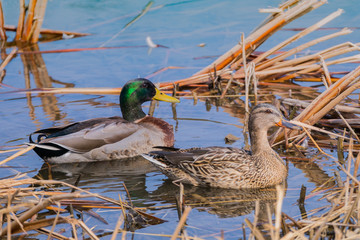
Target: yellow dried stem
x=328, y=99
x=280, y=193
x=296, y=37
x=50, y=31
x=326, y=72
x=254, y=230
x=314, y=58
x=40, y=206
x=316, y=145
x=276, y=60
x=91, y=234
x=261, y=34
x=331, y=104
x=39, y=18
x=304, y=104
x=181, y=223
x=2, y=24
x=20, y=26
x=29, y=20
x=347, y=124
x=19, y=153
x=283, y=7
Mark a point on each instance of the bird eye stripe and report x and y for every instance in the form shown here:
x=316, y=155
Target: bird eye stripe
x=266, y=111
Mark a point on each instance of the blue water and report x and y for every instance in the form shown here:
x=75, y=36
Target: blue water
x=181, y=26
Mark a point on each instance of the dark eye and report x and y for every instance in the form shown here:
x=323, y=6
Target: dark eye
x=268, y=111
x=145, y=85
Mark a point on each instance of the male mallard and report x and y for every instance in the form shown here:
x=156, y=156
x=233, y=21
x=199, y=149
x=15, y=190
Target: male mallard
x=227, y=167
x=110, y=138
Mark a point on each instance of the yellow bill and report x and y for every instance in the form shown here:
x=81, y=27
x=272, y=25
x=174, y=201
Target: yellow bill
x=160, y=96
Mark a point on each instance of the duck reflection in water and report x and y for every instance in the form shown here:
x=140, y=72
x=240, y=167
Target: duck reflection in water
x=225, y=203
x=134, y=174
x=108, y=176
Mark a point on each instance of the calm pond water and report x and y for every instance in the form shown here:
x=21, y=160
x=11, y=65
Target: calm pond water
x=181, y=26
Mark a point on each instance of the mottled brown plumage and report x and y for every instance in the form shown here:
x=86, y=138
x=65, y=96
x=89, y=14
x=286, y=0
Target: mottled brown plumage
x=227, y=167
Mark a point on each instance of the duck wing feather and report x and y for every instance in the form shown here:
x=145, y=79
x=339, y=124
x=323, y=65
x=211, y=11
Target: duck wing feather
x=195, y=160
x=87, y=135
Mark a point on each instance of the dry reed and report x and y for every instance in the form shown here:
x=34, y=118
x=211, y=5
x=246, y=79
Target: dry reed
x=338, y=220
x=30, y=20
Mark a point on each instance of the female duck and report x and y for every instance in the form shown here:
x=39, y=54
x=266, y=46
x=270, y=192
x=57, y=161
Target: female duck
x=102, y=139
x=226, y=167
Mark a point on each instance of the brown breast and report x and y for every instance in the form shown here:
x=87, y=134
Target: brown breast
x=156, y=124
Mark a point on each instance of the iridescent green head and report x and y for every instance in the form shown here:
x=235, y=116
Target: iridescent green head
x=136, y=92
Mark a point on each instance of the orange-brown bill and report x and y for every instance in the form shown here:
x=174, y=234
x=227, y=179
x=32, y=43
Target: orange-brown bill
x=286, y=124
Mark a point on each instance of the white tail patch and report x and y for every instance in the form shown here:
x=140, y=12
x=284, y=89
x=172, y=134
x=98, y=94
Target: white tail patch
x=43, y=146
x=153, y=160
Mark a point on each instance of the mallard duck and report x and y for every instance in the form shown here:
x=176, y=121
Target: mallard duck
x=110, y=138
x=227, y=167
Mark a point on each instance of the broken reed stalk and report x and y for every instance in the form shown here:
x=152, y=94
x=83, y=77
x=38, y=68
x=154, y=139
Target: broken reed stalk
x=34, y=20
x=256, y=38
x=40, y=206
x=74, y=231
x=299, y=234
x=117, y=226
x=276, y=61
x=348, y=125
x=39, y=18
x=32, y=208
x=181, y=223
x=90, y=233
x=344, y=207
x=280, y=193
x=2, y=24
x=301, y=68
x=270, y=222
x=310, y=60
x=49, y=31
x=282, y=7
x=55, y=221
x=327, y=100
x=292, y=39
x=21, y=20
x=327, y=76
x=19, y=153
x=246, y=75
x=356, y=166
x=349, y=162
x=255, y=231
x=304, y=104
x=28, y=27
x=315, y=143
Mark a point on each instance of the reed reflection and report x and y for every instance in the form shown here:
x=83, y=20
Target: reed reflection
x=34, y=65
